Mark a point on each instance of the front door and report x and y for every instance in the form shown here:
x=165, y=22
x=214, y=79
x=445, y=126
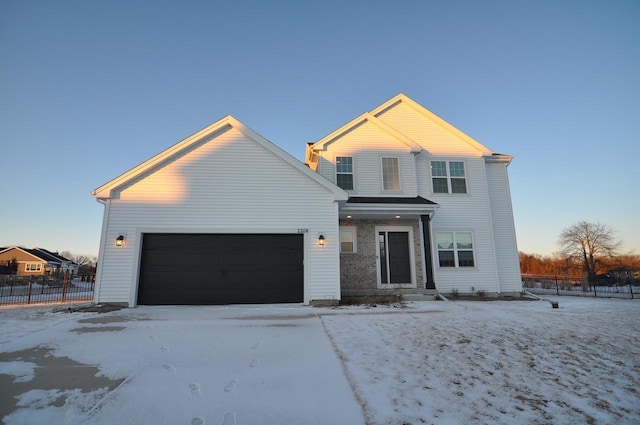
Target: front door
x=394, y=257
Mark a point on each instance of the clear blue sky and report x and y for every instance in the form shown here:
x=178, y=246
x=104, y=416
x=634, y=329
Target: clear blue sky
x=89, y=89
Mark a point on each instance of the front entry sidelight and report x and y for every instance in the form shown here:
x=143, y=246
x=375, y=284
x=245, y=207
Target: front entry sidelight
x=394, y=257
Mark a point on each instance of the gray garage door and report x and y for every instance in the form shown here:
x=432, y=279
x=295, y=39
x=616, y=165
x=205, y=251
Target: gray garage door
x=200, y=269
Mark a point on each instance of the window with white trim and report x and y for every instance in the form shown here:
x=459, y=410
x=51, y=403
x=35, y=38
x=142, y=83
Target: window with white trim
x=344, y=172
x=448, y=177
x=390, y=174
x=348, y=241
x=455, y=249
x=33, y=267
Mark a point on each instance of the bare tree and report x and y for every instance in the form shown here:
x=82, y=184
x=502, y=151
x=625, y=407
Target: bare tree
x=589, y=243
x=81, y=260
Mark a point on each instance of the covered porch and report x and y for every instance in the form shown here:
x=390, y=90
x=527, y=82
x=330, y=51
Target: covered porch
x=385, y=250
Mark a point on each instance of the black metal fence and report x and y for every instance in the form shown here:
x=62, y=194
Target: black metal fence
x=44, y=289
x=561, y=285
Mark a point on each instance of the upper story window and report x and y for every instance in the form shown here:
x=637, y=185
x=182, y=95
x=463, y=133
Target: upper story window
x=348, y=239
x=455, y=249
x=390, y=174
x=448, y=177
x=344, y=172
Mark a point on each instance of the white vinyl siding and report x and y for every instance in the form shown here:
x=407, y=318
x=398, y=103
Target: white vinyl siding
x=508, y=261
x=367, y=144
x=228, y=185
x=428, y=133
x=472, y=213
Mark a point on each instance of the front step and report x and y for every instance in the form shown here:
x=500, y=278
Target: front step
x=424, y=296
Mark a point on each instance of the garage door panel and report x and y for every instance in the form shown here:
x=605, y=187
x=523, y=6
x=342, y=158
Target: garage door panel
x=221, y=269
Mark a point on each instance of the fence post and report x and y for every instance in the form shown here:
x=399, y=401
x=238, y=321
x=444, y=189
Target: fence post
x=65, y=280
x=557, y=289
x=29, y=292
x=631, y=290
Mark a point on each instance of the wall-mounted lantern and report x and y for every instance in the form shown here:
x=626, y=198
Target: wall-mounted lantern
x=321, y=240
x=120, y=241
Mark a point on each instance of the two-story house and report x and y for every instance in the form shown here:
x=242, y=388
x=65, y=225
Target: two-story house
x=395, y=202
x=428, y=208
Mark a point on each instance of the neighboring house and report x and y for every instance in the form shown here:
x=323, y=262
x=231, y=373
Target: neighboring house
x=37, y=261
x=396, y=202
x=429, y=207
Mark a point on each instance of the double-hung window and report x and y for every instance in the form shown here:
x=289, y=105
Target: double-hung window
x=344, y=172
x=455, y=249
x=390, y=174
x=448, y=177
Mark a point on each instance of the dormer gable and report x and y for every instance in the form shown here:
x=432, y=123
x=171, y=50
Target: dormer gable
x=367, y=117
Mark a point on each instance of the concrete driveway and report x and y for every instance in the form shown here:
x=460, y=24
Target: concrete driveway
x=222, y=365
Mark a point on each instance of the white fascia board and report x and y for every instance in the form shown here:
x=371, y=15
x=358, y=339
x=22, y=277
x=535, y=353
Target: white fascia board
x=321, y=145
x=500, y=158
x=402, y=98
x=388, y=208
x=105, y=191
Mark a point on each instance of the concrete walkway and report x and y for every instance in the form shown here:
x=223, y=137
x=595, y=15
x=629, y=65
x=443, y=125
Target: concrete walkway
x=176, y=365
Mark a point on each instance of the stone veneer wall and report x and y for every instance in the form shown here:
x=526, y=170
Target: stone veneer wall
x=358, y=271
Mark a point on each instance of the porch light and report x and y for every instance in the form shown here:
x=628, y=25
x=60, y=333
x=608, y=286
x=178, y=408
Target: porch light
x=120, y=241
x=321, y=240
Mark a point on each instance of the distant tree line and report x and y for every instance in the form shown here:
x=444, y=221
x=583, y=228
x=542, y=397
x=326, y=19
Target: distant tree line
x=558, y=265
x=587, y=250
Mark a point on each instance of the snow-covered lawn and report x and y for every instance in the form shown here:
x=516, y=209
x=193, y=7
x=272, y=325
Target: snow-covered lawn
x=423, y=362
x=495, y=362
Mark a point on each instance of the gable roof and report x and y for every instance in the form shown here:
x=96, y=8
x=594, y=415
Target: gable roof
x=357, y=122
x=404, y=99
x=37, y=256
x=207, y=134
x=373, y=117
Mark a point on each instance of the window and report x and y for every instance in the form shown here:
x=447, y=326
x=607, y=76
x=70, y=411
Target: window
x=347, y=239
x=344, y=172
x=448, y=177
x=33, y=267
x=455, y=249
x=390, y=174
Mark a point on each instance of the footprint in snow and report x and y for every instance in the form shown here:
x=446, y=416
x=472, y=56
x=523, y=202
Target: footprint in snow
x=256, y=345
x=194, y=387
x=197, y=421
x=169, y=368
x=164, y=349
x=231, y=386
x=229, y=419
x=254, y=362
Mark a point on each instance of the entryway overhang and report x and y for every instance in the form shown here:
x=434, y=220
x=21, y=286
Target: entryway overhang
x=387, y=208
